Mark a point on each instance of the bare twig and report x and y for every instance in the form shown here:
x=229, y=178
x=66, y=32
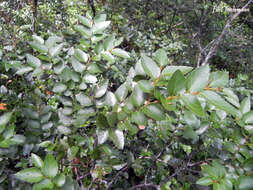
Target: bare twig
x=157, y=187
x=220, y=38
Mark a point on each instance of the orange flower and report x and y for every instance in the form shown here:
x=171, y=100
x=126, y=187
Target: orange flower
x=3, y=106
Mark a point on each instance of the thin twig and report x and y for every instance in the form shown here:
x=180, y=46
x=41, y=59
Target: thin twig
x=220, y=38
x=145, y=185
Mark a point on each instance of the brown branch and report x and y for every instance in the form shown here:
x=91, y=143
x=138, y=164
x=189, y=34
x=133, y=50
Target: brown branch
x=220, y=38
x=157, y=187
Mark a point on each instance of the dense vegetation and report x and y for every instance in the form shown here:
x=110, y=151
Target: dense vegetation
x=126, y=95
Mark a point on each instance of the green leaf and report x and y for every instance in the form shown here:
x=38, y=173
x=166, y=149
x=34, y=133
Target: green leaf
x=102, y=136
x=101, y=121
x=137, y=97
x=193, y=104
x=44, y=184
x=121, y=92
x=60, y=180
x=169, y=70
x=176, y=83
x=33, y=61
x=109, y=43
x=24, y=70
x=112, y=119
x=231, y=97
x=146, y=86
x=218, y=79
x=80, y=55
x=139, y=69
x=161, y=57
x=117, y=137
x=83, y=30
x=216, y=100
x=51, y=41
x=39, y=47
x=50, y=168
x=120, y=53
x=6, y=143
x=205, y=181
x=83, y=99
x=53, y=51
x=198, y=79
x=101, y=88
x=88, y=78
x=30, y=175
x=245, y=105
x=4, y=119
x=38, y=39
x=150, y=67
x=59, y=87
x=85, y=21
x=110, y=99
x=248, y=117
x=100, y=18
x=154, y=111
x=93, y=68
x=189, y=133
x=245, y=182
x=37, y=161
x=108, y=56
x=139, y=118
x=77, y=66
x=100, y=27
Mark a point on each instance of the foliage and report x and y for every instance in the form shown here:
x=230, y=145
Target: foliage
x=77, y=113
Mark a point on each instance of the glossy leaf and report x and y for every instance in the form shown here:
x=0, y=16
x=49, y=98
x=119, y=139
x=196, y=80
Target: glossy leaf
x=245, y=105
x=83, y=99
x=154, y=111
x=245, y=182
x=39, y=47
x=139, y=118
x=83, y=30
x=100, y=27
x=176, y=83
x=146, y=86
x=37, y=161
x=137, y=97
x=218, y=79
x=198, y=79
x=59, y=87
x=193, y=104
x=50, y=168
x=109, y=43
x=44, y=184
x=117, y=137
x=53, y=51
x=24, y=70
x=205, y=181
x=169, y=70
x=216, y=100
x=150, y=67
x=77, y=66
x=33, y=61
x=101, y=89
x=161, y=57
x=4, y=119
x=85, y=21
x=60, y=180
x=120, y=53
x=121, y=92
x=30, y=175
x=80, y=55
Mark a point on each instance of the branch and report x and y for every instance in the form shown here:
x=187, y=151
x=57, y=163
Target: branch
x=220, y=38
x=157, y=187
